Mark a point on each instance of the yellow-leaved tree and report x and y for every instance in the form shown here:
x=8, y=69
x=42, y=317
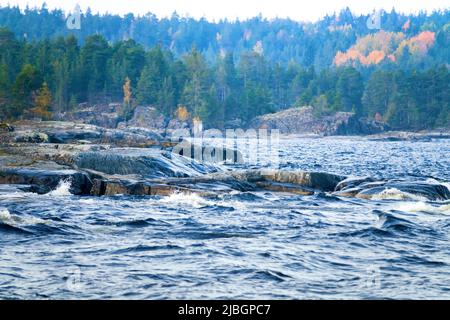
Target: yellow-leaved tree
x=182, y=113
x=127, y=110
x=42, y=103
x=127, y=92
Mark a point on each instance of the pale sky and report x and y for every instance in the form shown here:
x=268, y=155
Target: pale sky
x=309, y=10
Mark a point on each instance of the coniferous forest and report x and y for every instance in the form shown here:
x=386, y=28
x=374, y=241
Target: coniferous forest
x=228, y=70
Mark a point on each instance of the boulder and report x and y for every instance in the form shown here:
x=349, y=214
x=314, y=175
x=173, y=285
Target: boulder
x=316, y=180
x=352, y=182
x=304, y=181
x=5, y=127
x=206, y=152
x=32, y=137
x=406, y=190
x=102, y=115
x=45, y=181
x=147, y=117
x=68, y=136
x=361, y=126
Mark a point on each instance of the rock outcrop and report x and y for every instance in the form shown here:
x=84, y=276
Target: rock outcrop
x=44, y=180
x=93, y=161
x=367, y=188
x=148, y=117
x=109, y=116
x=59, y=132
x=102, y=115
x=103, y=169
x=422, y=136
x=304, y=121
x=148, y=163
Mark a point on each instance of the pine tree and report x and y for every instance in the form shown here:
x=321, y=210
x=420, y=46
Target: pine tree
x=26, y=83
x=5, y=98
x=152, y=78
x=349, y=89
x=195, y=93
x=94, y=58
x=377, y=93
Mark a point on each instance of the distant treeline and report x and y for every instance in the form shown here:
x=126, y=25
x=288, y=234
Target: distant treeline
x=399, y=74
x=282, y=40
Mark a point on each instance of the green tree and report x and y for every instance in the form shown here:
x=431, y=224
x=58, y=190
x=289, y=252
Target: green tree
x=5, y=97
x=349, y=90
x=152, y=78
x=26, y=83
x=127, y=60
x=377, y=93
x=94, y=68
x=11, y=53
x=195, y=92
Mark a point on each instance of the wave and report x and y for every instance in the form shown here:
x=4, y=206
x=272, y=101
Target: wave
x=14, y=220
x=396, y=194
x=11, y=223
x=389, y=225
x=16, y=195
x=143, y=248
x=190, y=199
x=138, y=223
x=5, y=216
x=63, y=189
x=438, y=182
x=422, y=206
x=270, y=275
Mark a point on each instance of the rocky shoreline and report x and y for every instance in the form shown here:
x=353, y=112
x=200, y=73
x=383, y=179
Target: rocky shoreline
x=39, y=156
x=305, y=121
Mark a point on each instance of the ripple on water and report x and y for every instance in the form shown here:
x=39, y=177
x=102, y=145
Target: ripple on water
x=248, y=245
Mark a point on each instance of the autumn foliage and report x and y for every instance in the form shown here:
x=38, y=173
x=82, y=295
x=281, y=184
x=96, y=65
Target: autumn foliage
x=182, y=113
x=42, y=101
x=373, y=49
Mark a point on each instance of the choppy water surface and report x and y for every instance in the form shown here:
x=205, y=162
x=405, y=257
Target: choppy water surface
x=243, y=245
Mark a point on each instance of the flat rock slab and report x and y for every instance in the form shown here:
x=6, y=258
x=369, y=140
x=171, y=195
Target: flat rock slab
x=149, y=163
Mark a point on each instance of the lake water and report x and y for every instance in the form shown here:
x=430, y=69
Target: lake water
x=242, y=245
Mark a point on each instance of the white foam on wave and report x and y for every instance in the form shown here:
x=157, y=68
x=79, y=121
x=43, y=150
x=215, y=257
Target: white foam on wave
x=63, y=189
x=434, y=181
x=89, y=201
x=447, y=185
x=15, y=195
x=423, y=207
x=395, y=194
x=15, y=220
x=5, y=216
x=190, y=199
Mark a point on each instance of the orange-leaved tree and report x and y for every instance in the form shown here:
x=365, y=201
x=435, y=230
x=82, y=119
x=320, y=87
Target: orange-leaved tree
x=42, y=103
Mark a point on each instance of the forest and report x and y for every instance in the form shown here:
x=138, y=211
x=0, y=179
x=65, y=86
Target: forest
x=228, y=70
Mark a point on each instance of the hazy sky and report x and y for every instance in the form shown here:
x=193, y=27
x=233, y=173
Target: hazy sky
x=308, y=10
